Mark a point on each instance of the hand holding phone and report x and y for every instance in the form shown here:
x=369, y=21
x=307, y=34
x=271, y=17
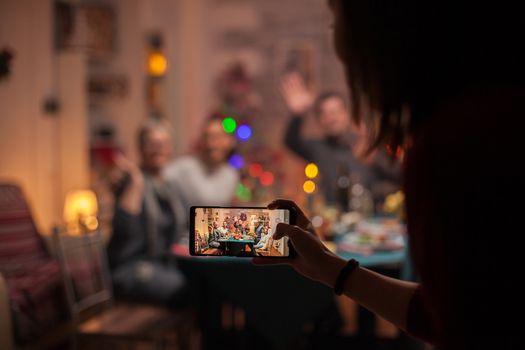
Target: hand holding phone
x=236, y=231
x=311, y=257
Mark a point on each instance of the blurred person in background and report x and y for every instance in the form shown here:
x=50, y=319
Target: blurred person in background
x=339, y=152
x=148, y=215
x=205, y=178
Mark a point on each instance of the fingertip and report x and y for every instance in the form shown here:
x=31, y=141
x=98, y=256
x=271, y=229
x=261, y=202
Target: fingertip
x=273, y=204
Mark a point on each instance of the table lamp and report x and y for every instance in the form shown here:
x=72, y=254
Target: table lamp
x=80, y=212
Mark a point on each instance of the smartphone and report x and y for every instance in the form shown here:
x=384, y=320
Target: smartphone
x=238, y=231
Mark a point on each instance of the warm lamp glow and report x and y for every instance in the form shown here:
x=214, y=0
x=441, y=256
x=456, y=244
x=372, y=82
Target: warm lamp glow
x=80, y=211
x=157, y=64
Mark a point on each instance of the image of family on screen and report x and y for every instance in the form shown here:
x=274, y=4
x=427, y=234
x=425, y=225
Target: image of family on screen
x=239, y=232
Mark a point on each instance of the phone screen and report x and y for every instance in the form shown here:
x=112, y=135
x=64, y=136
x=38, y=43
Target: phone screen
x=243, y=232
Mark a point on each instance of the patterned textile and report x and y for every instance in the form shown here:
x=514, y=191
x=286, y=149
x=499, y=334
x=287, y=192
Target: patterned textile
x=32, y=275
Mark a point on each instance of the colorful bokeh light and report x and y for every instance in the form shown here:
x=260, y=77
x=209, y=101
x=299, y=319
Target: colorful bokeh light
x=266, y=178
x=311, y=171
x=244, y=132
x=309, y=186
x=229, y=125
x=236, y=161
x=243, y=192
x=157, y=64
x=255, y=170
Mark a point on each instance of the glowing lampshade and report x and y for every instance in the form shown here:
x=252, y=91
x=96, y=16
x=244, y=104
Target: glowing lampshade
x=80, y=211
x=311, y=171
x=157, y=64
x=309, y=186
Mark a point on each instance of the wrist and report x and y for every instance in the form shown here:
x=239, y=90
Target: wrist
x=333, y=265
x=137, y=179
x=344, y=275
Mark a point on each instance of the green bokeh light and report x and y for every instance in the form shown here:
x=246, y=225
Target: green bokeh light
x=229, y=125
x=243, y=193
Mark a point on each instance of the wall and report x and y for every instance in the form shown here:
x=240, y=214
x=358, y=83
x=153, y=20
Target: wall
x=186, y=85
x=48, y=154
x=43, y=153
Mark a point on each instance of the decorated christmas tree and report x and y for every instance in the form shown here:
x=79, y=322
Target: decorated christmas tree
x=240, y=107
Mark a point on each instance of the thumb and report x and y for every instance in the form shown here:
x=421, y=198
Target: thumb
x=286, y=230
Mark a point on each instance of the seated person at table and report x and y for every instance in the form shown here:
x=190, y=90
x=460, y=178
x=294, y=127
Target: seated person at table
x=238, y=227
x=147, y=216
x=205, y=178
x=245, y=228
x=264, y=242
x=216, y=229
x=223, y=230
x=259, y=232
x=213, y=237
x=237, y=222
x=203, y=241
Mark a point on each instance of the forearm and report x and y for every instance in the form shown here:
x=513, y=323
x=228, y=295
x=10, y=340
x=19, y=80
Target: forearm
x=384, y=296
x=131, y=199
x=127, y=240
x=387, y=297
x=294, y=140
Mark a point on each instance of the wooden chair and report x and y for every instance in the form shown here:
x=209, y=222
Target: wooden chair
x=99, y=322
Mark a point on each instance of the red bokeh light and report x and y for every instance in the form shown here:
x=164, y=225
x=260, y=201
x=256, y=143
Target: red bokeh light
x=255, y=169
x=266, y=178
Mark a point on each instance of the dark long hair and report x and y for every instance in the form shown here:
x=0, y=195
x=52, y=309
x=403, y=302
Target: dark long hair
x=404, y=58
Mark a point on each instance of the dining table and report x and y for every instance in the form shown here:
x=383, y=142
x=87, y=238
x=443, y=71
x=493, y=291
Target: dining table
x=277, y=303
